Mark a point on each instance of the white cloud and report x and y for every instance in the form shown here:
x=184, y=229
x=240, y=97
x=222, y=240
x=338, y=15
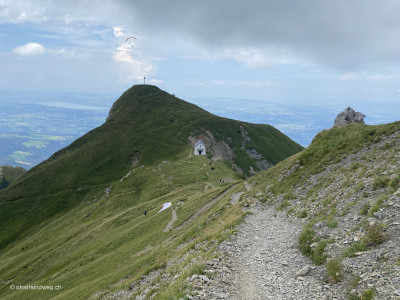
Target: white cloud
x=156, y=81
x=21, y=11
x=33, y=49
x=131, y=68
x=350, y=76
x=30, y=49
x=124, y=56
x=71, y=53
x=253, y=58
x=340, y=35
x=119, y=31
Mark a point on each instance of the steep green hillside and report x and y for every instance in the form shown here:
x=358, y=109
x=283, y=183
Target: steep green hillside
x=77, y=219
x=106, y=243
x=346, y=188
x=145, y=127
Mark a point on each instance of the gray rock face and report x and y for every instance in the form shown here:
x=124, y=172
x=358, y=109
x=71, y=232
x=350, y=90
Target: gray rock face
x=253, y=153
x=349, y=116
x=222, y=150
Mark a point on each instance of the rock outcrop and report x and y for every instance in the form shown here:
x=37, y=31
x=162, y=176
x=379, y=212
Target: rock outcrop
x=222, y=149
x=348, y=116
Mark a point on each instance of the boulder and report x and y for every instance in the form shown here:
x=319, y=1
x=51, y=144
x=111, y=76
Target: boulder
x=349, y=116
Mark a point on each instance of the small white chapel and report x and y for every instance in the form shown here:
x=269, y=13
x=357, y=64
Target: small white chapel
x=200, y=148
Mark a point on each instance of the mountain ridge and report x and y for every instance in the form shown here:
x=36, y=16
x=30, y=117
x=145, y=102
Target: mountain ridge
x=107, y=239
x=323, y=224
x=138, y=158
x=143, y=119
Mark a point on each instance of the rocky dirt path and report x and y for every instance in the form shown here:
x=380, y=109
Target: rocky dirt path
x=263, y=262
x=171, y=222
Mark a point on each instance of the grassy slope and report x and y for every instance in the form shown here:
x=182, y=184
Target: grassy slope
x=146, y=124
x=327, y=181
x=328, y=147
x=54, y=232
x=97, y=244
x=12, y=173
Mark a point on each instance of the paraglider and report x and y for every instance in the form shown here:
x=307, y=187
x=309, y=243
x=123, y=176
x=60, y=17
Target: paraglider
x=130, y=37
x=165, y=206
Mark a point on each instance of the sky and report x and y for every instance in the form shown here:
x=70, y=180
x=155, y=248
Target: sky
x=309, y=53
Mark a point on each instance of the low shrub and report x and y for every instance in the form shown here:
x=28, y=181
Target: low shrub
x=306, y=239
x=380, y=182
x=395, y=182
x=368, y=294
x=376, y=207
x=317, y=255
x=374, y=235
x=334, y=270
x=355, y=247
x=364, y=209
x=303, y=214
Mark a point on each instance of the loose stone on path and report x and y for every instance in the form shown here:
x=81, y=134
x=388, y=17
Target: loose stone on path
x=260, y=262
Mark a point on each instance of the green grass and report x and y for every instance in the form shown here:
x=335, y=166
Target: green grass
x=334, y=270
x=374, y=235
x=308, y=237
x=380, y=182
x=12, y=173
x=376, y=206
x=368, y=294
x=364, y=209
x=303, y=214
x=355, y=247
x=59, y=226
x=331, y=223
x=147, y=126
x=96, y=244
x=329, y=147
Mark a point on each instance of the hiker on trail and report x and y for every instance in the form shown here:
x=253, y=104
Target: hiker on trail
x=145, y=212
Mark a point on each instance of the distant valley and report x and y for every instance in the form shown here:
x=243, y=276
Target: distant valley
x=30, y=133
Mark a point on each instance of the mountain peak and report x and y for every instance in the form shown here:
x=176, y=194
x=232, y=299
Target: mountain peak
x=145, y=126
x=130, y=98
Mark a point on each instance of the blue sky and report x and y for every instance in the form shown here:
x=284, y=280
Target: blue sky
x=310, y=53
